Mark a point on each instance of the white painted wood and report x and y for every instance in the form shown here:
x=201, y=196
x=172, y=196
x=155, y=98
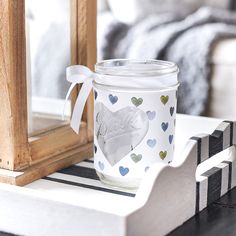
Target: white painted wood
x=234, y=133
x=232, y=154
x=189, y=126
x=225, y=127
x=224, y=178
x=85, y=164
x=165, y=199
x=27, y=213
x=163, y=189
x=203, y=192
x=204, y=146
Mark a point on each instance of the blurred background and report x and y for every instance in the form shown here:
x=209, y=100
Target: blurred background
x=199, y=35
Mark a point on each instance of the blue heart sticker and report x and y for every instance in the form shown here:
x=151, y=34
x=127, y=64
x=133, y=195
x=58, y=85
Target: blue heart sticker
x=151, y=115
x=95, y=94
x=95, y=149
x=171, y=138
x=101, y=165
x=164, y=126
x=151, y=142
x=113, y=99
x=123, y=170
x=172, y=109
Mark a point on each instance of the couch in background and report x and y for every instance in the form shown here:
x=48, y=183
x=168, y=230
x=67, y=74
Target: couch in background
x=222, y=60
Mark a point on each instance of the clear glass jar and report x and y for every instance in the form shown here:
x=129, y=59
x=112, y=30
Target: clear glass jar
x=134, y=118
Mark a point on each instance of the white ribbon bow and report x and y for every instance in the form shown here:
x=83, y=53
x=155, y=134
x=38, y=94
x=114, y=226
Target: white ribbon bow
x=79, y=74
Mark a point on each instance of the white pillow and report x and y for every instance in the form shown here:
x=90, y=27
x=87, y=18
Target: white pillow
x=130, y=11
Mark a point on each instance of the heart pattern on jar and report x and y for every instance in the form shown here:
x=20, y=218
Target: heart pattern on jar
x=172, y=109
x=164, y=99
x=119, y=132
x=136, y=101
x=132, y=132
x=164, y=126
x=101, y=165
x=171, y=138
x=123, y=170
x=163, y=154
x=151, y=142
x=95, y=94
x=136, y=157
x=113, y=99
x=151, y=115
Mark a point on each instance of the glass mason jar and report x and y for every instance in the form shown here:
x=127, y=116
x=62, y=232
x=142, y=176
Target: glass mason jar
x=134, y=118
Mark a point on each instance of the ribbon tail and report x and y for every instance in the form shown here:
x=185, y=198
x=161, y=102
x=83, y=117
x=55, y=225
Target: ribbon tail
x=66, y=99
x=79, y=105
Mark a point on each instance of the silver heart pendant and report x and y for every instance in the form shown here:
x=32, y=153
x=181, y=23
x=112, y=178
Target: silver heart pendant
x=118, y=133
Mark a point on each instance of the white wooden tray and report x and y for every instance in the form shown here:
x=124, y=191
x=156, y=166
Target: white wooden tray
x=74, y=202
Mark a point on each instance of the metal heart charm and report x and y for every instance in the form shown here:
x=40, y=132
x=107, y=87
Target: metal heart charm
x=118, y=133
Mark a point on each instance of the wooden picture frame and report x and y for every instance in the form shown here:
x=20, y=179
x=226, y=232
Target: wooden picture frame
x=23, y=159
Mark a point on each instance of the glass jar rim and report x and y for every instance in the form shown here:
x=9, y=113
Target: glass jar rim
x=133, y=89
x=122, y=67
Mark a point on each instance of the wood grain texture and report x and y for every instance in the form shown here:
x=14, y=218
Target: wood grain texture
x=74, y=45
x=46, y=167
x=74, y=31
x=83, y=48
x=55, y=142
x=14, y=151
x=87, y=50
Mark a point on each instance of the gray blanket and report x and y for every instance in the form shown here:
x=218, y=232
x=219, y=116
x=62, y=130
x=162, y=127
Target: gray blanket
x=186, y=40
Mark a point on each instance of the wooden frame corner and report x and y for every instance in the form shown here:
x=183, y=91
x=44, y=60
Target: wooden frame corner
x=49, y=151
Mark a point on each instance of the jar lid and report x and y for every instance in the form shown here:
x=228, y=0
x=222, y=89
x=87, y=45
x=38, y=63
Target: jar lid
x=136, y=73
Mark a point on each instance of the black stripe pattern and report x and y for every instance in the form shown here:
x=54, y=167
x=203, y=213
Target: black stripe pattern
x=215, y=142
x=199, y=147
x=214, y=176
x=62, y=181
x=80, y=171
x=89, y=161
x=197, y=197
x=88, y=173
x=230, y=174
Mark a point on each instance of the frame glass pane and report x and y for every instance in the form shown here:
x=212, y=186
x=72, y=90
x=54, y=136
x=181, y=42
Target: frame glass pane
x=48, y=55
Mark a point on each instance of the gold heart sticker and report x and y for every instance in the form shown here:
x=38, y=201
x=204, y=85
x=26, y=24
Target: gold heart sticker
x=164, y=99
x=162, y=154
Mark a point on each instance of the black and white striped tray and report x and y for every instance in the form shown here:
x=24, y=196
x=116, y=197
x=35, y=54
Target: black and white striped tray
x=220, y=179
x=74, y=199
